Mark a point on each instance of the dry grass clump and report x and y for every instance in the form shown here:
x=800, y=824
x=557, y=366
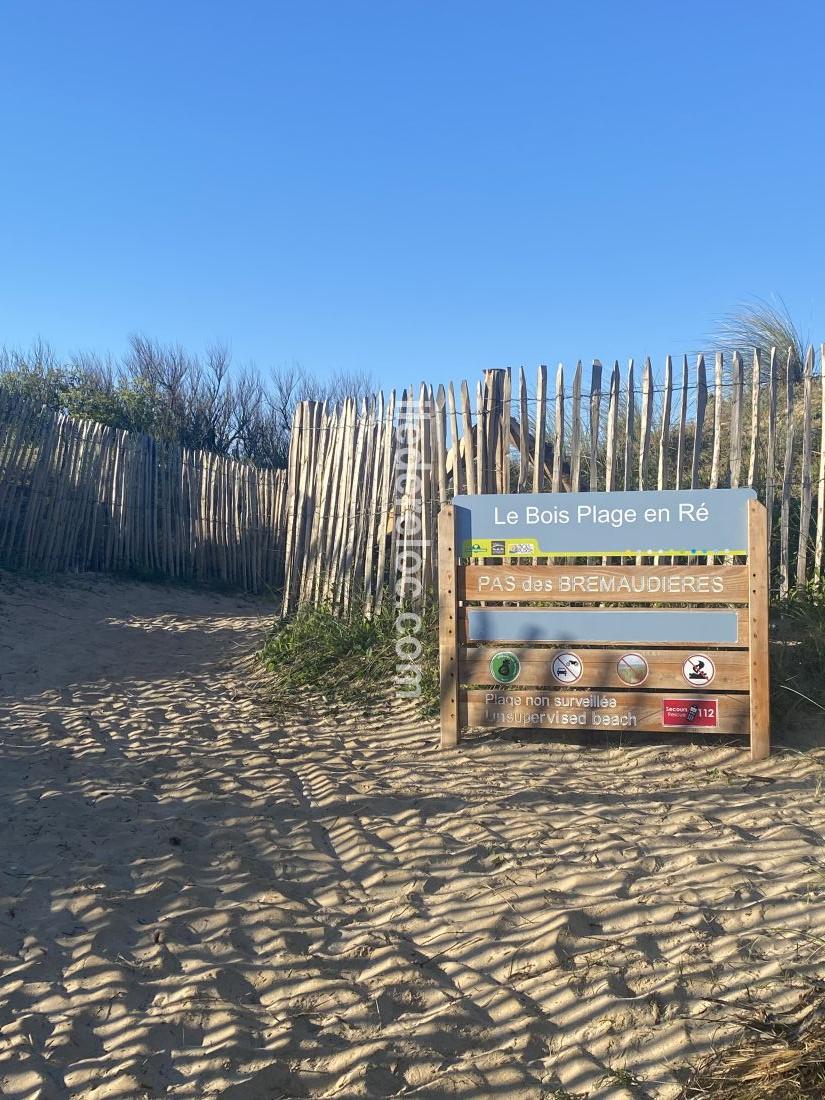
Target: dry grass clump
x=784, y=1060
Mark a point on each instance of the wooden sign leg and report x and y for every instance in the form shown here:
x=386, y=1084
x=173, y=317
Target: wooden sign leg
x=448, y=628
x=758, y=634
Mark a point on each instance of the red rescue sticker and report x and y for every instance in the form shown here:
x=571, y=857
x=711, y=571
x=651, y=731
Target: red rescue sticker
x=690, y=712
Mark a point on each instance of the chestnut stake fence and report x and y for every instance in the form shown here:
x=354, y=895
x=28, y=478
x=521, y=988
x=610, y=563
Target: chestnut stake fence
x=75, y=495
x=354, y=517
x=366, y=483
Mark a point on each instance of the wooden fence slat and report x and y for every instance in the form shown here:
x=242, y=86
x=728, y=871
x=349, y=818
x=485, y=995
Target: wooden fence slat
x=504, y=435
x=315, y=562
x=701, y=405
x=494, y=473
x=612, y=428
x=717, y=420
x=647, y=417
x=805, y=485
x=629, y=427
x=387, y=491
x=440, y=444
x=770, y=456
x=820, y=488
x=735, y=433
x=576, y=430
x=538, y=453
x=558, y=435
x=524, y=429
x=424, y=487
x=459, y=480
x=664, y=433
x=364, y=506
x=756, y=390
x=482, y=485
x=784, y=521
x=595, y=425
x=680, y=436
x=469, y=441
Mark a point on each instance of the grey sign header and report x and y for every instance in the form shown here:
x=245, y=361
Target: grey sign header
x=670, y=521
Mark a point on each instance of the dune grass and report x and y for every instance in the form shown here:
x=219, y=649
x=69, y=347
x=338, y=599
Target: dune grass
x=779, y=1059
x=349, y=659
x=798, y=651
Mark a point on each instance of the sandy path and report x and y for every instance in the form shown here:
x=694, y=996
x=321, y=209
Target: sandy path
x=199, y=901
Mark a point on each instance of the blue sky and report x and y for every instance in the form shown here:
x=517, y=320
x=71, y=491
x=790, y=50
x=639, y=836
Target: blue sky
x=420, y=190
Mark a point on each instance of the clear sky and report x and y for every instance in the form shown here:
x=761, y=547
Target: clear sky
x=420, y=190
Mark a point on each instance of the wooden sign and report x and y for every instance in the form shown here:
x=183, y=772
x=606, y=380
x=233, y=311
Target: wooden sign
x=546, y=644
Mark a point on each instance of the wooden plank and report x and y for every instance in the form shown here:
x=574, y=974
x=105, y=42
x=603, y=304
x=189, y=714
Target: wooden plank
x=524, y=429
x=623, y=626
x=447, y=629
x=664, y=432
x=346, y=490
x=440, y=443
x=717, y=421
x=647, y=417
x=805, y=486
x=563, y=709
x=716, y=454
x=770, y=456
x=595, y=424
x=703, y=584
x=612, y=430
x=539, y=434
x=386, y=496
x=655, y=669
x=469, y=441
x=504, y=434
x=482, y=484
x=327, y=504
x=558, y=436
x=291, y=565
x=756, y=391
x=455, y=447
x=425, y=482
x=576, y=431
x=784, y=518
x=820, y=489
x=735, y=435
x=320, y=507
x=362, y=557
x=409, y=535
x=701, y=405
x=492, y=414
x=629, y=428
x=680, y=435
x=758, y=631
x=405, y=470
x=316, y=438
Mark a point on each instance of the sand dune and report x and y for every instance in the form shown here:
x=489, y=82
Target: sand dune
x=199, y=900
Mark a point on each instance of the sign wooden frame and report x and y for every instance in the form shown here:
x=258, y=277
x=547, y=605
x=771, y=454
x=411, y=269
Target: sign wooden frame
x=735, y=700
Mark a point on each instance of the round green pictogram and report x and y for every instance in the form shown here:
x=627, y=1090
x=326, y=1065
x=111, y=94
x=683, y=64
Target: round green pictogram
x=505, y=667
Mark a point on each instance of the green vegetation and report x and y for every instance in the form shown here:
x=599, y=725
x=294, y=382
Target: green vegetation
x=167, y=392
x=348, y=659
x=764, y=325
x=798, y=650
x=352, y=658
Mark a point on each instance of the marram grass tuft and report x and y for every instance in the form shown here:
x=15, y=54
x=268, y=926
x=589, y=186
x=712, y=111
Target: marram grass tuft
x=348, y=659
